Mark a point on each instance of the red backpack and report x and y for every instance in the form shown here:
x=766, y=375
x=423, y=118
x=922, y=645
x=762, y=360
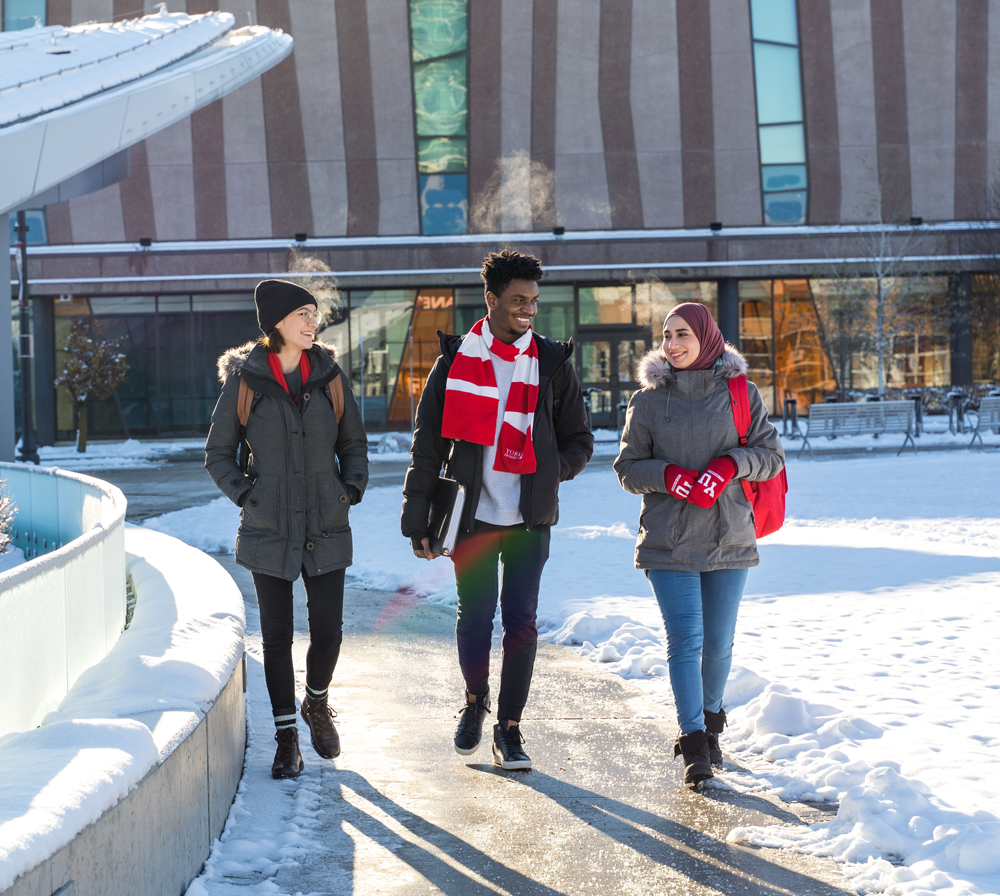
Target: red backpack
x=767, y=498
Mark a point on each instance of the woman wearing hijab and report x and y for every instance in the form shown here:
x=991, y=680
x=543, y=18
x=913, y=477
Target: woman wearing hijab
x=681, y=452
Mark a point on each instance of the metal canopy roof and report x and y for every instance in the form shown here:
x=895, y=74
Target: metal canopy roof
x=72, y=97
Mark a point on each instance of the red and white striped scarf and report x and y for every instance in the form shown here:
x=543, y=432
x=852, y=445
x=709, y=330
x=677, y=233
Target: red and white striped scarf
x=471, y=398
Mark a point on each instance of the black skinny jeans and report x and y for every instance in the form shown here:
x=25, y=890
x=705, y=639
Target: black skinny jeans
x=522, y=554
x=325, y=603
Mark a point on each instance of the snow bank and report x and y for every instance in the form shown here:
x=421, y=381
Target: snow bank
x=109, y=455
x=128, y=712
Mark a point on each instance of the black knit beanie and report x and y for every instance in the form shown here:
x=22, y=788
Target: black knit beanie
x=276, y=299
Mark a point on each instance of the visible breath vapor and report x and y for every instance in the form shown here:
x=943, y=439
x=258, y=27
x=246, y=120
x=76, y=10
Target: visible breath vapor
x=324, y=289
x=518, y=196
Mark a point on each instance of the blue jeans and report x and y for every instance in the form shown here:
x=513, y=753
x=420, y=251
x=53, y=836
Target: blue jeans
x=699, y=611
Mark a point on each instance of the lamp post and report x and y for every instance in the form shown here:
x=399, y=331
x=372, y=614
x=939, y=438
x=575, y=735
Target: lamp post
x=29, y=450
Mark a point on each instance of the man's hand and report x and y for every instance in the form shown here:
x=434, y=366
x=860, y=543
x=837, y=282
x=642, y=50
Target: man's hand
x=426, y=553
x=713, y=481
x=679, y=481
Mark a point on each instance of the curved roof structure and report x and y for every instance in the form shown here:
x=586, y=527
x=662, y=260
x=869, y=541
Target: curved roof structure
x=71, y=97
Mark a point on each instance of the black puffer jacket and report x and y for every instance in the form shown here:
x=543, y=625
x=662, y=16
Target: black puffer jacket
x=294, y=496
x=562, y=441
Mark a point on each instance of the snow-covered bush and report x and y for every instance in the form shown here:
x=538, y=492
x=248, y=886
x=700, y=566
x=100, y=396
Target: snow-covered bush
x=7, y=510
x=94, y=369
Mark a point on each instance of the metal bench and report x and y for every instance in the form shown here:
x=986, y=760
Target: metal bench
x=989, y=418
x=861, y=418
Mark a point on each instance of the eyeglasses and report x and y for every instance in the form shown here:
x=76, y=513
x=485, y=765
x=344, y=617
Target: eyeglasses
x=314, y=317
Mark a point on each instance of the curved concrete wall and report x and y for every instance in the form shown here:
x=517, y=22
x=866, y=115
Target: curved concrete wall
x=63, y=610
x=155, y=841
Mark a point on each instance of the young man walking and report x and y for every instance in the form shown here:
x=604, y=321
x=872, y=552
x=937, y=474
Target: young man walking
x=503, y=413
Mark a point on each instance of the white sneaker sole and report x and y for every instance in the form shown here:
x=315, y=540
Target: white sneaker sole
x=510, y=764
x=468, y=752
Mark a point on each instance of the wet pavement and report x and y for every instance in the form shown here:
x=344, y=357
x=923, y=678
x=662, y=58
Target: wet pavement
x=604, y=809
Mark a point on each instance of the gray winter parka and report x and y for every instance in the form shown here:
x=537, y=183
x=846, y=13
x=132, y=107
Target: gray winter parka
x=295, y=510
x=684, y=417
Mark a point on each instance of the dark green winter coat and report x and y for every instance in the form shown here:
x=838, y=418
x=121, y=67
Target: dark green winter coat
x=294, y=498
x=685, y=417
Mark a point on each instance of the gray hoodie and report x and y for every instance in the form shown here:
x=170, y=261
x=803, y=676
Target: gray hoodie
x=684, y=417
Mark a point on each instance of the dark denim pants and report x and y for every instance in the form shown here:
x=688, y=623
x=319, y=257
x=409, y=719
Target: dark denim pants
x=699, y=611
x=521, y=554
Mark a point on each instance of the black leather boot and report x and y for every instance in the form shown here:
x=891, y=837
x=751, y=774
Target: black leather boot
x=287, y=759
x=694, y=748
x=714, y=723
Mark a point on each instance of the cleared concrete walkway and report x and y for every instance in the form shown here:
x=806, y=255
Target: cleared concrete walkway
x=603, y=811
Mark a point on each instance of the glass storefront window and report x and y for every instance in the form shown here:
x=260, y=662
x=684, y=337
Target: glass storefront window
x=555, y=312
x=654, y=301
x=755, y=336
x=986, y=329
x=606, y=305
x=379, y=322
x=802, y=369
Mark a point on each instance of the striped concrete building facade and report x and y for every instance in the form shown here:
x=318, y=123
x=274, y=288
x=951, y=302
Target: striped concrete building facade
x=632, y=125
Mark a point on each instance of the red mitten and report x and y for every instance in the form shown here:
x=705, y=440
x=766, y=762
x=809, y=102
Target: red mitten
x=679, y=481
x=711, y=483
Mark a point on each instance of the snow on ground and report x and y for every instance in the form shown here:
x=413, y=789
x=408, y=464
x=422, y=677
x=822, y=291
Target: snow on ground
x=131, y=453
x=866, y=672
x=126, y=713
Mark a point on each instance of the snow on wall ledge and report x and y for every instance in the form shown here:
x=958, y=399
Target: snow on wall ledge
x=141, y=743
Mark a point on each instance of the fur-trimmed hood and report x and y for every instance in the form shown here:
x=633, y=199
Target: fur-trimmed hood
x=656, y=371
x=233, y=360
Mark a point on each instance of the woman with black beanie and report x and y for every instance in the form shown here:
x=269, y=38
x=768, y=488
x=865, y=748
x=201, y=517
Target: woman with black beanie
x=681, y=451
x=308, y=464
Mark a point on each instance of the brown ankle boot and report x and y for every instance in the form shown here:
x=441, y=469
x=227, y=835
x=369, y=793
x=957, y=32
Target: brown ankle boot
x=287, y=758
x=319, y=718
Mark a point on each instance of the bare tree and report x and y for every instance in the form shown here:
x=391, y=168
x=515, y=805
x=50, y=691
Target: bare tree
x=94, y=369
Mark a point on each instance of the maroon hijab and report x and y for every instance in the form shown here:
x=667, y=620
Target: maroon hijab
x=705, y=329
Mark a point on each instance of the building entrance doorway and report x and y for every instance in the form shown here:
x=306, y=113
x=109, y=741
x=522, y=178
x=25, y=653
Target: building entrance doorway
x=607, y=364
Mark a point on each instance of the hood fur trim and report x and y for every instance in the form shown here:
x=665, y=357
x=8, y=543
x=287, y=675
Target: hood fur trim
x=655, y=371
x=232, y=361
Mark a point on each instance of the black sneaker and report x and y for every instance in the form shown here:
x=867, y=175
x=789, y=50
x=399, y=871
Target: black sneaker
x=470, y=723
x=507, y=751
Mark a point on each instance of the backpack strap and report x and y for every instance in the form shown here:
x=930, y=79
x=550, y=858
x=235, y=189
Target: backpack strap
x=739, y=395
x=244, y=404
x=337, y=396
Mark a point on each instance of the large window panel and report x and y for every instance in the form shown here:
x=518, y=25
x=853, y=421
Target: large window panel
x=444, y=203
x=442, y=155
x=782, y=144
x=439, y=50
x=380, y=320
x=655, y=300
x=785, y=208
x=774, y=20
x=783, y=177
x=555, y=312
x=438, y=28
x=606, y=305
x=779, y=84
x=441, y=96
